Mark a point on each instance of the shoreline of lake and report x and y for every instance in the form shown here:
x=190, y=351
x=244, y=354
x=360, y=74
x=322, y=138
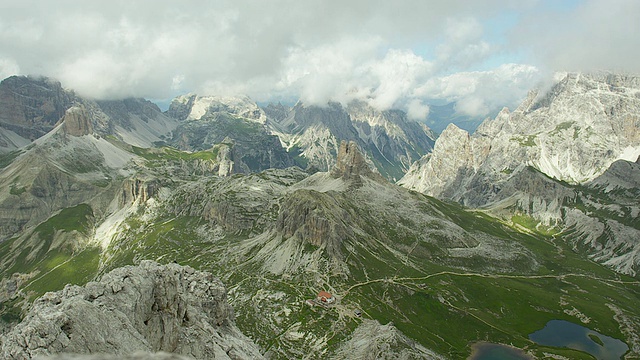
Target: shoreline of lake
x=482, y=349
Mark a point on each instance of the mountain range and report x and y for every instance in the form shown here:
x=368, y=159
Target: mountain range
x=567, y=158
x=485, y=237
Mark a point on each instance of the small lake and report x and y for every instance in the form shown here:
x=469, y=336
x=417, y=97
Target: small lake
x=490, y=351
x=560, y=333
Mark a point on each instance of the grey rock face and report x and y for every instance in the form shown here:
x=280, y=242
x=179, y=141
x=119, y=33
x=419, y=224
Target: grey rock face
x=77, y=122
x=350, y=163
x=387, y=138
x=136, y=188
x=573, y=133
x=32, y=106
x=620, y=175
x=277, y=112
x=194, y=107
x=135, y=356
x=241, y=135
x=371, y=340
x=316, y=218
x=527, y=191
x=537, y=160
x=147, y=308
x=181, y=107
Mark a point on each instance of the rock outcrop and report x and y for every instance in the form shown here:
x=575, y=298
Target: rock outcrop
x=620, y=175
x=135, y=356
x=32, y=106
x=316, y=218
x=371, y=340
x=350, y=164
x=147, y=308
x=76, y=122
x=138, y=188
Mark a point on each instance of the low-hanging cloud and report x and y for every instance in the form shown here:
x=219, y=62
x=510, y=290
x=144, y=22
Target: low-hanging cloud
x=596, y=35
x=477, y=93
x=389, y=54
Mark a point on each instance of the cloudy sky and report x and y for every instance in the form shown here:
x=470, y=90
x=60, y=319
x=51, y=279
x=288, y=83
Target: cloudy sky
x=482, y=54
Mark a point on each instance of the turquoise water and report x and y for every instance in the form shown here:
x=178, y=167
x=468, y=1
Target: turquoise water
x=560, y=333
x=489, y=351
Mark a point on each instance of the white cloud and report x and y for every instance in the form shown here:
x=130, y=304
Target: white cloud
x=416, y=110
x=472, y=106
x=397, y=74
x=390, y=54
x=329, y=72
x=355, y=69
x=477, y=93
x=597, y=35
x=8, y=67
x=463, y=45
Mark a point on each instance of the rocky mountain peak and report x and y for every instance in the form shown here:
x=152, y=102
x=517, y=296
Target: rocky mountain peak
x=316, y=218
x=195, y=107
x=332, y=116
x=350, y=163
x=180, y=107
x=572, y=133
x=31, y=106
x=435, y=173
x=277, y=112
x=621, y=174
x=76, y=122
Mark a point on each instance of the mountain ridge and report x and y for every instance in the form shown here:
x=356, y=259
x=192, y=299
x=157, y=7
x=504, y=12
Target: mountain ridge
x=584, y=125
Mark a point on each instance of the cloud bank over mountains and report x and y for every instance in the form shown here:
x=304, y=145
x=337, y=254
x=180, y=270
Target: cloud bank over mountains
x=482, y=54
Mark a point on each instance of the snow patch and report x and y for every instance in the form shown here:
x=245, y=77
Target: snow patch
x=630, y=153
x=199, y=108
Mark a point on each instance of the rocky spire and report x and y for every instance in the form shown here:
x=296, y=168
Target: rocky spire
x=76, y=122
x=350, y=164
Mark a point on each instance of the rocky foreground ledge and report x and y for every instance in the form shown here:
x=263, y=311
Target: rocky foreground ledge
x=149, y=311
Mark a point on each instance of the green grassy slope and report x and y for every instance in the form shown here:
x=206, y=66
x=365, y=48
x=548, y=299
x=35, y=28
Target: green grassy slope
x=392, y=274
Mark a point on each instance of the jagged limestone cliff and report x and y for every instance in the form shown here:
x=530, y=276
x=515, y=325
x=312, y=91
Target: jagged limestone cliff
x=388, y=139
x=572, y=133
x=76, y=122
x=32, y=106
x=555, y=159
